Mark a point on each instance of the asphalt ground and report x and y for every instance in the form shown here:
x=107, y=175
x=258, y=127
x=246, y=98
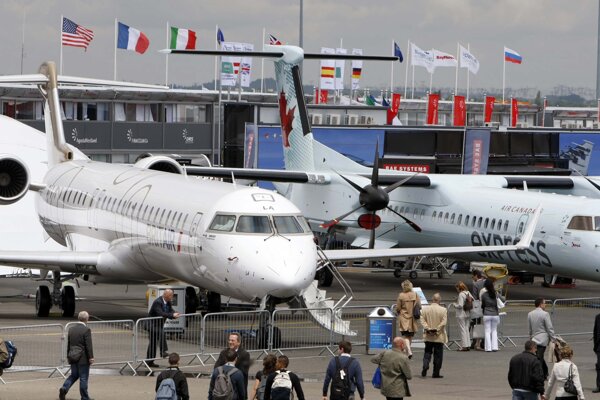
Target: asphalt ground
x=467, y=375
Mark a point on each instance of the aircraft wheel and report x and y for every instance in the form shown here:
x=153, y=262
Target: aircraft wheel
x=325, y=277
x=214, y=302
x=43, y=301
x=67, y=298
x=191, y=300
x=548, y=280
x=398, y=273
x=413, y=275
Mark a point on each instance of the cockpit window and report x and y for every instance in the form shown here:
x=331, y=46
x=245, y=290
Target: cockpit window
x=304, y=224
x=253, y=224
x=223, y=223
x=581, y=223
x=287, y=224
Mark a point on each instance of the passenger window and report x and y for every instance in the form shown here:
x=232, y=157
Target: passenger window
x=402, y=210
x=485, y=224
x=459, y=221
x=521, y=224
x=505, y=225
x=162, y=216
x=581, y=223
x=499, y=226
x=493, y=224
x=452, y=218
x=440, y=216
x=433, y=215
x=253, y=224
x=479, y=222
x=422, y=214
x=446, y=218
x=415, y=213
x=223, y=223
x=287, y=224
x=167, y=219
x=467, y=220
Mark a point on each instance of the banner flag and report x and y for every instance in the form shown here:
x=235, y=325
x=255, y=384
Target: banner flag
x=246, y=65
x=422, y=58
x=356, y=69
x=394, y=107
x=488, y=109
x=441, y=59
x=231, y=66
x=477, y=151
x=460, y=111
x=327, y=70
x=340, y=66
x=398, y=52
x=514, y=112
x=512, y=56
x=321, y=96
x=132, y=39
x=468, y=60
x=432, y=108
x=182, y=39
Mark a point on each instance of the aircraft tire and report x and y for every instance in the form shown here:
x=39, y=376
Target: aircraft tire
x=67, y=298
x=413, y=275
x=214, y=302
x=325, y=277
x=398, y=273
x=547, y=280
x=191, y=300
x=43, y=301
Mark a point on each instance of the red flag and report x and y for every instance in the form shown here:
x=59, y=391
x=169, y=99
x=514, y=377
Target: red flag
x=432, y=108
x=321, y=96
x=392, y=112
x=460, y=111
x=488, y=109
x=514, y=115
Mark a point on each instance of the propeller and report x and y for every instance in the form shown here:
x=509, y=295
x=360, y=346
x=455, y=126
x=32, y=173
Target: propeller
x=372, y=198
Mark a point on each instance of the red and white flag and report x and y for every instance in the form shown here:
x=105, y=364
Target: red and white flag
x=488, y=108
x=460, y=111
x=514, y=112
x=432, y=108
x=75, y=35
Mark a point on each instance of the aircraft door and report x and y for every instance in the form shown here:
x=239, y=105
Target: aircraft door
x=194, y=244
x=521, y=224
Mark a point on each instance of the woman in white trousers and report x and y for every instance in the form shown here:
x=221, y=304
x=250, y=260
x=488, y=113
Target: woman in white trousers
x=463, y=317
x=491, y=318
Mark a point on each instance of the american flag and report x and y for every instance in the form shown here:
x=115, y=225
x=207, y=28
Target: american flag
x=75, y=35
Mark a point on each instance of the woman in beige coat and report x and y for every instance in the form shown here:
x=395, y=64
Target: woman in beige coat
x=407, y=323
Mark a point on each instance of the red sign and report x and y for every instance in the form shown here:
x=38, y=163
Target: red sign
x=408, y=167
x=432, y=108
x=394, y=107
x=514, y=112
x=460, y=111
x=321, y=96
x=488, y=109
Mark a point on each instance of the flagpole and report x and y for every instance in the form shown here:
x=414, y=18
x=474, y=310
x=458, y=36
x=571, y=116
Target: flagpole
x=408, y=57
x=339, y=93
x=115, y=65
x=412, y=95
x=456, y=77
x=503, y=75
x=23, y=42
x=167, y=59
x=262, y=65
x=61, y=46
x=392, y=69
x=468, y=72
x=216, y=58
x=430, y=81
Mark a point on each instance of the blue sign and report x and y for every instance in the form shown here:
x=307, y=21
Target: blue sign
x=381, y=333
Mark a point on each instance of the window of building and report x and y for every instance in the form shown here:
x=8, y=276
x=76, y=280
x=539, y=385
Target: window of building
x=185, y=113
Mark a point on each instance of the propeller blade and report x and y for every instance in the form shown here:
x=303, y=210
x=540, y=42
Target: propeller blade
x=372, y=238
x=335, y=221
x=399, y=183
x=354, y=185
x=408, y=221
x=375, y=173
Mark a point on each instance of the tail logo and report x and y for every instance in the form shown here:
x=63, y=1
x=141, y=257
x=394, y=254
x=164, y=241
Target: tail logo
x=287, y=118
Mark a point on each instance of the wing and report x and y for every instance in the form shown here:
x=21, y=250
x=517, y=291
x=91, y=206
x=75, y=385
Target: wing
x=67, y=261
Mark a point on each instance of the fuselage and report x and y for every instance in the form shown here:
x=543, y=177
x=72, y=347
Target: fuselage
x=151, y=225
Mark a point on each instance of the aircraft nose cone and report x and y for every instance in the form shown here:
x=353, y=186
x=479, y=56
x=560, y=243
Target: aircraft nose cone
x=295, y=271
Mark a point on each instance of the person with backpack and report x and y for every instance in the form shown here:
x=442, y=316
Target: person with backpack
x=345, y=374
x=269, y=366
x=242, y=362
x=171, y=384
x=395, y=371
x=226, y=381
x=80, y=354
x=463, y=305
x=280, y=383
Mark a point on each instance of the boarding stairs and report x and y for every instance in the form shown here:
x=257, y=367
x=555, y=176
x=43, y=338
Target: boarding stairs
x=315, y=300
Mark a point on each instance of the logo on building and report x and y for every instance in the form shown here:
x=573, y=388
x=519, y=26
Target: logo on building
x=132, y=139
x=187, y=139
x=78, y=140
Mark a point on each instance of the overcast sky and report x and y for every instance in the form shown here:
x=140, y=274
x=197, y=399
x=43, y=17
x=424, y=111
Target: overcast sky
x=556, y=38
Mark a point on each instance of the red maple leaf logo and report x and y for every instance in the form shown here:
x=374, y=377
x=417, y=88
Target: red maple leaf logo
x=287, y=117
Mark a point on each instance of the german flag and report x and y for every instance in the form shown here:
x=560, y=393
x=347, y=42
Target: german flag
x=356, y=73
x=327, y=72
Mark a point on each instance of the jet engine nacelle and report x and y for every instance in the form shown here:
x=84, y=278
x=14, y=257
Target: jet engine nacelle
x=160, y=163
x=14, y=179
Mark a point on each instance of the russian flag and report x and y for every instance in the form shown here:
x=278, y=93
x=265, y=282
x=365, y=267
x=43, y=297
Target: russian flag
x=512, y=56
x=132, y=39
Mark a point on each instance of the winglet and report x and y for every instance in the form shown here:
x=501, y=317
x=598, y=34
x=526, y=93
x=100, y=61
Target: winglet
x=530, y=229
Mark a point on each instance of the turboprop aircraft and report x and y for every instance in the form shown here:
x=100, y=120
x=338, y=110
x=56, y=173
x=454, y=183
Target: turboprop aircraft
x=149, y=222
x=336, y=193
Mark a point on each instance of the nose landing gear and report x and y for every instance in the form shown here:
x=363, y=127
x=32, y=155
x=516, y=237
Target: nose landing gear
x=62, y=296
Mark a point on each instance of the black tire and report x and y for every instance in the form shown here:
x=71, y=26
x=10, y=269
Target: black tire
x=324, y=277
x=547, y=280
x=43, y=301
x=398, y=273
x=214, y=302
x=191, y=300
x=413, y=274
x=67, y=298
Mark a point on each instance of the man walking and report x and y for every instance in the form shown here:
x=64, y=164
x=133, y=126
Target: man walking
x=346, y=368
x=234, y=374
x=80, y=354
x=434, y=318
x=597, y=351
x=281, y=383
x=242, y=361
x=525, y=375
x=161, y=307
x=395, y=370
x=541, y=330
x=179, y=379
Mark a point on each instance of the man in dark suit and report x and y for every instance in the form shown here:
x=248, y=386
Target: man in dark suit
x=242, y=361
x=597, y=351
x=161, y=307
x=79, y=342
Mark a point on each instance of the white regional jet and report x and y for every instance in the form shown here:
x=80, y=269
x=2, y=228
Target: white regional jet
x=335, y=192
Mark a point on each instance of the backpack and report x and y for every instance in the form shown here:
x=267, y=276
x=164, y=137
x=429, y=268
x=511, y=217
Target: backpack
x=9, y=356
x=223, y=389
x=340, y=383
x=281, y=389
x=468, y=304
x=260, y=391
x=166, y=390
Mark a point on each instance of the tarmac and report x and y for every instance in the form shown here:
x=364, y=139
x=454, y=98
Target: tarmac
x=467, y=375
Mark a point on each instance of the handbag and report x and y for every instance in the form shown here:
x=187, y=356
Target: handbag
x=499, y=303
x=74, y=355
x=569, y=384
x=416, y=310
x=478, y=331
x=376, y=381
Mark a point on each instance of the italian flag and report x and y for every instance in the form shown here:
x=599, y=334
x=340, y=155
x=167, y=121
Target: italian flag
x=182, y=39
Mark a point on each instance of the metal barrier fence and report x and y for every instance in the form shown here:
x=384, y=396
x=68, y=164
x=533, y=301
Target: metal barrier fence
x=295, y=329
x=575, y=317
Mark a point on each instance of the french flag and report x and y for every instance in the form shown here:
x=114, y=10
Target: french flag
x=512, y=56
x=132, y=39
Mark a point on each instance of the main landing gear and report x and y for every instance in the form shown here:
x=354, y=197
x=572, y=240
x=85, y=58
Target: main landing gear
x=62, y=296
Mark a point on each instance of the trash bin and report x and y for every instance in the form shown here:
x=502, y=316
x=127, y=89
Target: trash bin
x=381, y=329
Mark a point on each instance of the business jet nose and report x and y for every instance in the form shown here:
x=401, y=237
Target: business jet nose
x=295, y=265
